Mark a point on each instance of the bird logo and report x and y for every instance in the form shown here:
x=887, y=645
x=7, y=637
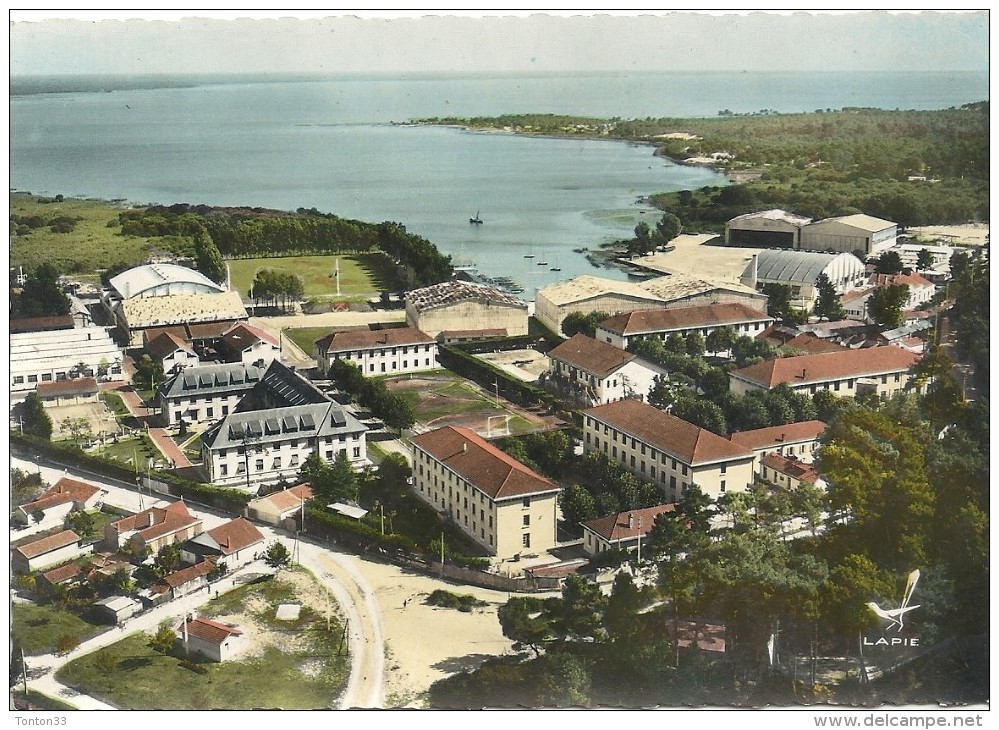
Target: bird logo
x=895, y=616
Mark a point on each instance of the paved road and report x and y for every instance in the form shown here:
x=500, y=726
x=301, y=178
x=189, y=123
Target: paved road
x=337, y=572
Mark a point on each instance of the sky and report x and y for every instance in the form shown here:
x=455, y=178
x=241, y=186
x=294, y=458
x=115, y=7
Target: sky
x=552, y=41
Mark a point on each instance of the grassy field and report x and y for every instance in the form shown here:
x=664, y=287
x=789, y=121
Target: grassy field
x=361, y=274
x=305, y=337
x=95, y=243
x=38, y=628
x=299, y=669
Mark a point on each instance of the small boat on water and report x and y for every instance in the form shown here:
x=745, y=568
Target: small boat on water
x=476, y=221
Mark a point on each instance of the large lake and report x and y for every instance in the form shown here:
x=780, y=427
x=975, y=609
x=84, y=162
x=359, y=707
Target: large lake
x=332, y=145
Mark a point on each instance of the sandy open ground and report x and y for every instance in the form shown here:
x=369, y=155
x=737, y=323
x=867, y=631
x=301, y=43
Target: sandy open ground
x=692, y=255
x=973, y=234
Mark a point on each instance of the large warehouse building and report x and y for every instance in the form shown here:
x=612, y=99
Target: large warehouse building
x=766, y=229
x=801, y=269
x=860, y=234
x=462, y=305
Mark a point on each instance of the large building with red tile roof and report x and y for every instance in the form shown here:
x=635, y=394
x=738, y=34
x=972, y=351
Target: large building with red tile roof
x=590, y=372
x=152, y=528
x=249, y=345
x=497, y=501
x=623, y=531
x=378, y=352
x=668, y=451
x=799, y=440
x=883, y=370
x=621, y=329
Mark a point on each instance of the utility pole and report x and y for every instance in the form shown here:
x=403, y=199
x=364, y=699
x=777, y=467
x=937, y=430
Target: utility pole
x=442, y=554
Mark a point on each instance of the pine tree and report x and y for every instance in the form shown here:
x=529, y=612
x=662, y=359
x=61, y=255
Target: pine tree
x=827, y=304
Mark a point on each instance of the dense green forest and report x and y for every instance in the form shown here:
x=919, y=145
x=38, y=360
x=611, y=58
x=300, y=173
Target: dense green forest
x=912, y=167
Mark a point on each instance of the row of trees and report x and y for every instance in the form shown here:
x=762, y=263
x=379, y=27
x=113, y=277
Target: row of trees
x=247, y=232
x=273, y=286
x=393, y=409
x=647, y=239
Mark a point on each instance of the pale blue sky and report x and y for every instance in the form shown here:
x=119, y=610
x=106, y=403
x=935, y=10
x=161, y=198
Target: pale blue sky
x=467, y=41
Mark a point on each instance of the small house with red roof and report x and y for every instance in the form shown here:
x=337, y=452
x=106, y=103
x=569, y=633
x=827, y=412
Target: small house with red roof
x=68, y=392
x=212, y=639
x=659, y=447
x=170, y=349
x=154, y=528
x=249, y=345
x=62, y=498
x=496, y=500
x=623, y=531
x=235, y=542
x=276, y=507
x=786, y=471
x=799, y=440
x=179, y=583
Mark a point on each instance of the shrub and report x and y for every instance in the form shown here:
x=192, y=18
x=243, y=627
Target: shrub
x=66, y=643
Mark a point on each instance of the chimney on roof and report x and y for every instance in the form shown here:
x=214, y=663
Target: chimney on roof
x=781, y=439
x=631, y=520
x=150, y=519
x=464, y=447
x=804, y=373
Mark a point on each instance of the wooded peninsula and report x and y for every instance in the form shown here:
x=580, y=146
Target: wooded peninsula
x=913, y=167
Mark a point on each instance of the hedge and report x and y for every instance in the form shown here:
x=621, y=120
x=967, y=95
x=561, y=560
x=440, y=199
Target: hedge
x=71, y=454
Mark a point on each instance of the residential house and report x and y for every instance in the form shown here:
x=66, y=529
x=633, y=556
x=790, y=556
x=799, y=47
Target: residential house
x=62, y=498
x=391, y=351
x=622, y=329
x=249, y=345
x=799, y=440
x=212, y=639
x=593, y=372
x=152, y=529
x=116, y=609
x=51, y=550
x=787, y=471
x=180, y=583
x=494, y=499
x=173, y=352
x=235, y=543
x=66, y=574
x=661, y=448
x=883, y=369
x=279, y=506
x=856, y=303
x=623, y=531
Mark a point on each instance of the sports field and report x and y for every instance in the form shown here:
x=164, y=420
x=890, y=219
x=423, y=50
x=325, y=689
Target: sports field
x=362, y=274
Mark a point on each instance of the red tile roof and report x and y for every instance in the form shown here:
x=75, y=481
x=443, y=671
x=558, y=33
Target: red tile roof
x=824, y=367
x=692, y=444
x=48, y=544
x=63, y=491
x=209, y=631
x=166, y=343
x=700, y=634
x=627, y=525
x=492, y=471
x=288, y=499
x=914, y=280
x=235, y=535
x=180, y=577
x=156, y=522
x=74, y=386
x=665, y=320
x=244, y=336
x=777, y=435
x=372, y=339
x=813, y=345
x=590, y=355
x=61, y=574
x=791, y=467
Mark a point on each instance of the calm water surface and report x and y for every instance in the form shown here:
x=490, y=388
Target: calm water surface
x=332, y=145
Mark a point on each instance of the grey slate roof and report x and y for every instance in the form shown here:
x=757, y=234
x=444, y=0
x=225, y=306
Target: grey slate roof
x=279, y=424
x=201, y=380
